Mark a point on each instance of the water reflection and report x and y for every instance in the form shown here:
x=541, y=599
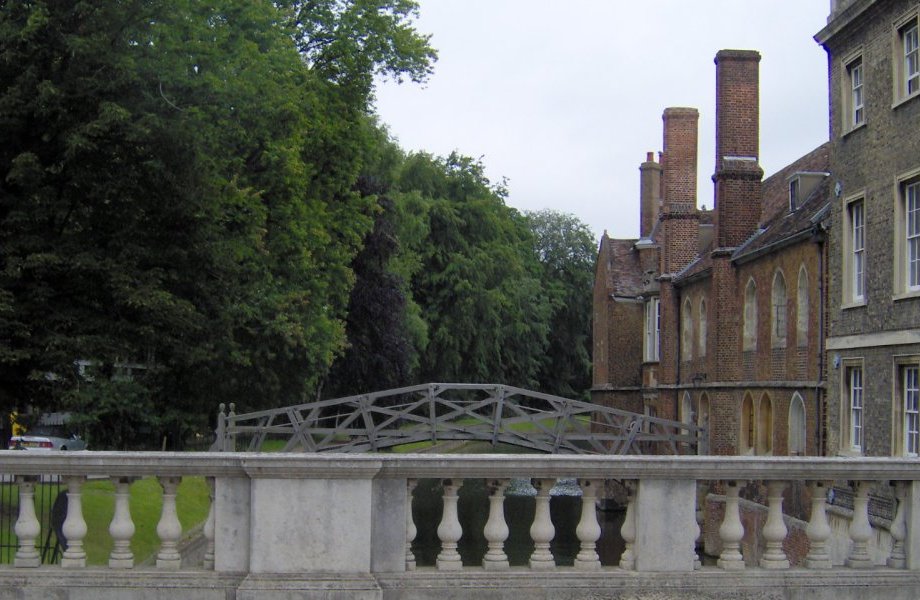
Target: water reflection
x=473, y=507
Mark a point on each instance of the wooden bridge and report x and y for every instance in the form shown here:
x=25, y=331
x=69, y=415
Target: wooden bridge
x=434, y=413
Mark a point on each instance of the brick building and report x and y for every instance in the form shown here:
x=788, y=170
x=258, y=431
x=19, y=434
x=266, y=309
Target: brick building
x=716, y=317
x=873, y=343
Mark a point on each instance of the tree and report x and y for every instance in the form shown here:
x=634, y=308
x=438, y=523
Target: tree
x=473, y=274
x=178, y=188
x=566, y=250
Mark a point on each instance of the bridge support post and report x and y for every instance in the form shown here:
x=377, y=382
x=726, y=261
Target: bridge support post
x=665, y=525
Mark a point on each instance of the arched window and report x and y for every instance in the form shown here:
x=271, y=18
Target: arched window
x=796, y=426
x=686, y=331
x=765, y=426
x=801, y=313
x=779, y=310
x=702, y=333
x=746, y=439
x=702, y=420
x=750, y=316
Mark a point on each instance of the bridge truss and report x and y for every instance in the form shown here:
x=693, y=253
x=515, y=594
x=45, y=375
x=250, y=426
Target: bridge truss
x=445, y=412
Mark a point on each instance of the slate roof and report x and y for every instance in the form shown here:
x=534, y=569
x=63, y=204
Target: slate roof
x=623, y=272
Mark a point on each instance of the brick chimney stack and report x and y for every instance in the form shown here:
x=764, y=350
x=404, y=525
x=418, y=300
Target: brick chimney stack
x=649, y=195
x=679, y=216
x=738, y=174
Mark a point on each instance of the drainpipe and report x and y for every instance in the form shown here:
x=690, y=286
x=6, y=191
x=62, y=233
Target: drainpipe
x=819, y=235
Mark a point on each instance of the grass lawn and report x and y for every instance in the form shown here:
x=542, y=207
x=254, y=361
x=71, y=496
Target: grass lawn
x=98, y=500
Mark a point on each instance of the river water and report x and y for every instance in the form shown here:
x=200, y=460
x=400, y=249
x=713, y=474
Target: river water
x=473, y=509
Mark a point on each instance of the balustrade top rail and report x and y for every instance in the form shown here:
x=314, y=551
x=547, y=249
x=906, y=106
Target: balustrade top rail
x=438, y=412
x=397, y=466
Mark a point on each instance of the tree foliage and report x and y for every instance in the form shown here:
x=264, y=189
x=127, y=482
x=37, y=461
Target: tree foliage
x=567, y=250
x=178, y=188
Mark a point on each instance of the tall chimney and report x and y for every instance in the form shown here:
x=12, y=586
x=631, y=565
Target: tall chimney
x=649, y=194
x=679, y=217
x=738, y=174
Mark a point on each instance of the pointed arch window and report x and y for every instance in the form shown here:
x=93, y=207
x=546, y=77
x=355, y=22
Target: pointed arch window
x=686, y=331
x=801, y=312
x=778, y=312
x=797, y=426
x=750, y=316
x=701, y=351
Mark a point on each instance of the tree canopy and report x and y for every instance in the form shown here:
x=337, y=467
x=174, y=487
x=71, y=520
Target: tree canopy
x=197, y=206
x=179, y=191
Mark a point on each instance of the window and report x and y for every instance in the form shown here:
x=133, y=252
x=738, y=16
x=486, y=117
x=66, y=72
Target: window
x=854, y=375
x=652, y=329
x=911, y=58
x=703, y=332
x=907, y=58
x=779, y=310
x=793, y=194
x=750, y=316
x=747, y=425
x=856, y=92
x=796, y=426
x=854, y=249
x=765, y=426
x=912, y=234
x=801, y=313
x=910, y=395
x=686, y=331
x=907, y=234
x=852, y=86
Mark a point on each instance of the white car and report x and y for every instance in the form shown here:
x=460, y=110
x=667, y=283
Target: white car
x=47, y=437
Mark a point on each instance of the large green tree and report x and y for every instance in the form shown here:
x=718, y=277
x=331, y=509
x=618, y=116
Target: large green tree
x=567, y=250
x=178, y=190
x=473, y=274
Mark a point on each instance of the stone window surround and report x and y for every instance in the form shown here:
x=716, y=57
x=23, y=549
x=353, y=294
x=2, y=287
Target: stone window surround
x=910, y=19
x=846, y=446
x=898, y=423
x=849, y=298
x=848, y=63
x=901, y=289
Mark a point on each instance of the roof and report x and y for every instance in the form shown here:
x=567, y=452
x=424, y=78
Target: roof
x=622, y=272
x=778, y=224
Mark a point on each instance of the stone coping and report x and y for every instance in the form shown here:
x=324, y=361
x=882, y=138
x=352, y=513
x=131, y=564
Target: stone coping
x=354, y=466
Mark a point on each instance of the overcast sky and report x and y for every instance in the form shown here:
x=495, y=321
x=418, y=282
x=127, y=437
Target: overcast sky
x=565, y=98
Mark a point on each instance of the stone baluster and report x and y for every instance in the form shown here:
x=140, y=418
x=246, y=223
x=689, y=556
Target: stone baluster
x=731, y=531
x=542, y=530
x=27, y=527
x=860, y=529
x=209, y=529
x=774, y=531
x=411, y=529
x=169, y=528
x=74, y=527
x=628, y=530
x=818, y=529
x=588, y=530
x=697, y=531
x=496, y=529
x=898, y=558
x=122, y=527
x=449, y=530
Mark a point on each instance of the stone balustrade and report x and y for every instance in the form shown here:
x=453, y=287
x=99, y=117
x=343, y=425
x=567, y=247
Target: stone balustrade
x=341, y=526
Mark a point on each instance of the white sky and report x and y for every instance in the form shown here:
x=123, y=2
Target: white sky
x=565, y=98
